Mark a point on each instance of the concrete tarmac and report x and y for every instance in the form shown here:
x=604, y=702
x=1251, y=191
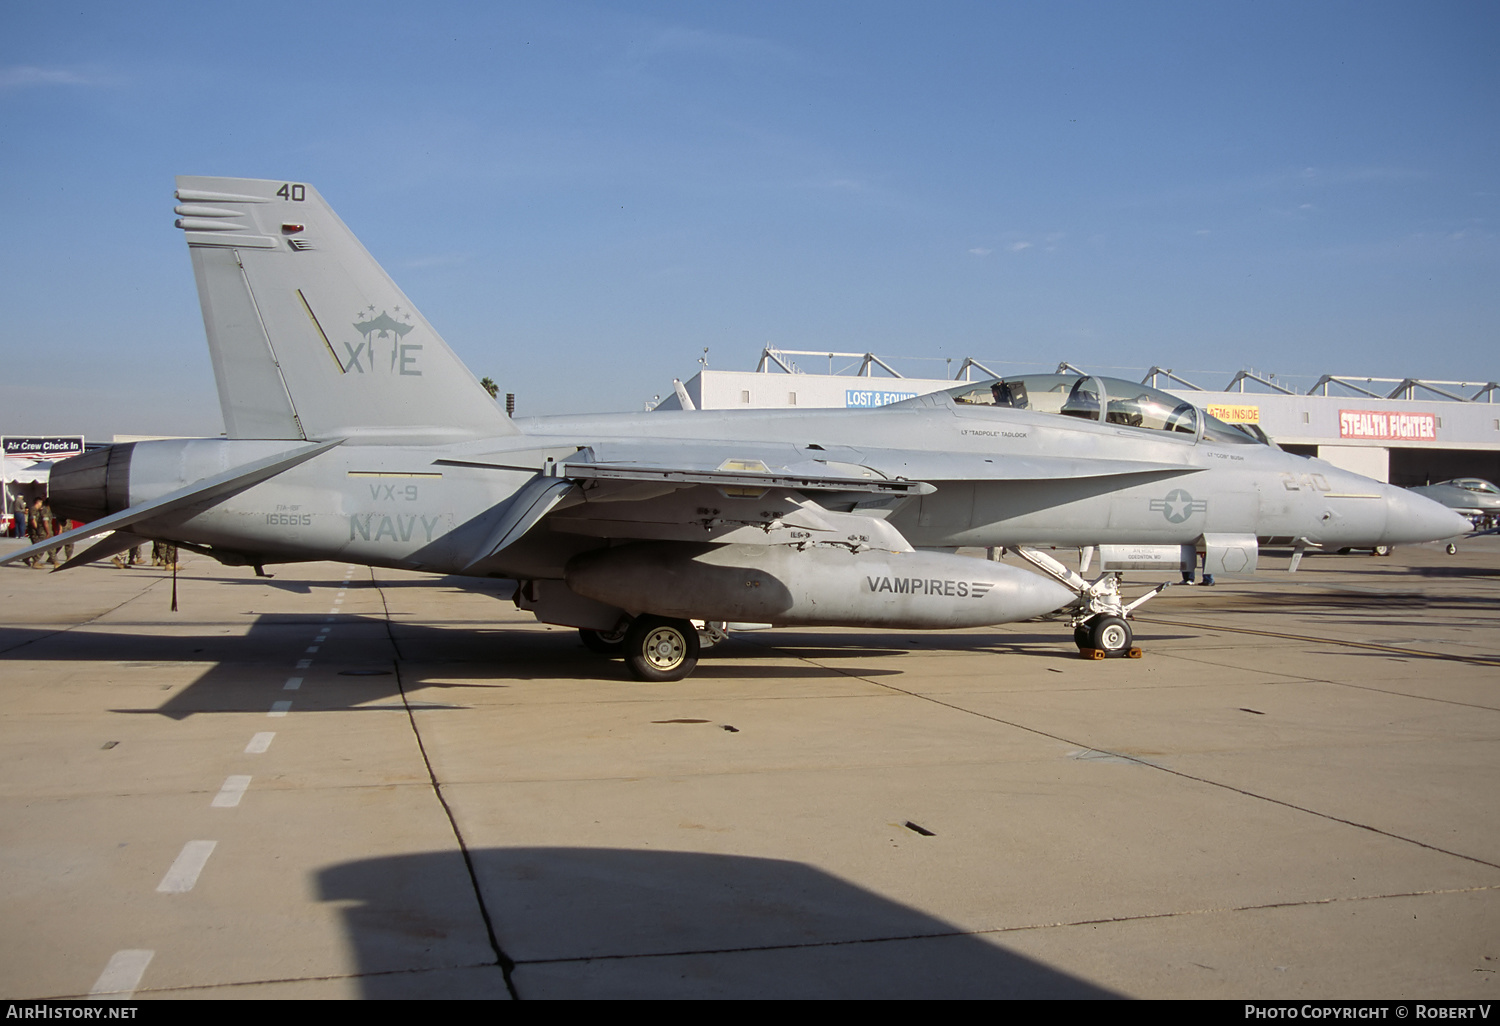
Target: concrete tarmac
x=341, y=782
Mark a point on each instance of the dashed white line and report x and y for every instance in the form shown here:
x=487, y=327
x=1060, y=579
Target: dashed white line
x=185, y=869
x=122, y=974
x=292, y=684
x=311, y=649
x=279, y=708
x=233, y=790
x=260, y=742
x=303, y=664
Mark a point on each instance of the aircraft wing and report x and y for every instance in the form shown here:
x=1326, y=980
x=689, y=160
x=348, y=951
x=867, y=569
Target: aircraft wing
x=196, y=497
x=835, y=468
x=748, y=493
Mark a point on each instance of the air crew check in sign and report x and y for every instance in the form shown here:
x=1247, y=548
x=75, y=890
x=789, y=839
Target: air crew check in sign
x=1386, y=426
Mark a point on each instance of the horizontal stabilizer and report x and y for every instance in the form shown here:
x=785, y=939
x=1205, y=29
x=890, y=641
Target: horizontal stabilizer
x=196, y=497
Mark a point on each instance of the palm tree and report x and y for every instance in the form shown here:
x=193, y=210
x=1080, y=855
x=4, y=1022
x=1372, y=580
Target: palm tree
x=489, y=386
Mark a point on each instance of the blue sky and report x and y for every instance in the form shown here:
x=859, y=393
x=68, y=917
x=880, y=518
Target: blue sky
x=582, y=196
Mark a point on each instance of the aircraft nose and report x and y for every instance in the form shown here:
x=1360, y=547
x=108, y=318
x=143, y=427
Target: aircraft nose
x=1410, y=517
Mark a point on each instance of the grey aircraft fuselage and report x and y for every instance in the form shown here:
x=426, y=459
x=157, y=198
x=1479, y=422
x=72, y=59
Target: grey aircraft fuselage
x=397, y=506
x=354, y=433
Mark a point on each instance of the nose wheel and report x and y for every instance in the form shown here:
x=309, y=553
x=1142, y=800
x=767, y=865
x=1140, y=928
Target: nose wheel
x=1102, y=636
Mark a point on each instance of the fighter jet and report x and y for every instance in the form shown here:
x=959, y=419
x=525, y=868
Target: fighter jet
x=1475, y=498
x=354, y=433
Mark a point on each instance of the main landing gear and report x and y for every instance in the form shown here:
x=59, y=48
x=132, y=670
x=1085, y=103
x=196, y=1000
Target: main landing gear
x=657, y=649
x=1099, y=617
x=606, y=643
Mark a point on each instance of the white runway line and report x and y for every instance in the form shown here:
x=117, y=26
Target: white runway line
x=233, y=790
x=123, y=974
x=260, y=742
x=184, y=872
x=303, y=664
x=311, y=649
x=292, y=684
x=279, y=708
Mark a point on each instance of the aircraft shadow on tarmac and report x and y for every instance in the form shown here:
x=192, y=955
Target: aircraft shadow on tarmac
x=612, y=923
x=371, y=662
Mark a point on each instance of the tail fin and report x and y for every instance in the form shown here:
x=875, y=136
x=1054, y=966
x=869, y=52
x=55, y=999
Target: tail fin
x=309, y=336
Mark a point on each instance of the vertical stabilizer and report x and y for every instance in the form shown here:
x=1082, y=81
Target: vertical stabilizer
x=309, y=336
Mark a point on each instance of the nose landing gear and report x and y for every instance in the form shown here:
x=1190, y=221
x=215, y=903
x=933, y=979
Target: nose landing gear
x=1100, y=627
x=1102, y=636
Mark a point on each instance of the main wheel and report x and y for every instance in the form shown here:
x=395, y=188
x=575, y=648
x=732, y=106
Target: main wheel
x=1081, y=636
x=1109, y=634
x=1383, y=550
x=610, y=643
x=661, y=649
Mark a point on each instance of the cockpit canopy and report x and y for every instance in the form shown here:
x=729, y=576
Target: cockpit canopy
x=1475, y=484
x=1110, y=400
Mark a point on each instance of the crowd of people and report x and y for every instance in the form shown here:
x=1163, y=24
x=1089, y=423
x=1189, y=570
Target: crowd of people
x=37, y=523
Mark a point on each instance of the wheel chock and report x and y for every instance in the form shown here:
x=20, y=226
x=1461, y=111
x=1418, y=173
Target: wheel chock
x=1099, y=653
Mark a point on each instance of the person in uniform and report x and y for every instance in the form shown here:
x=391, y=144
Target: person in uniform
x=39, y=529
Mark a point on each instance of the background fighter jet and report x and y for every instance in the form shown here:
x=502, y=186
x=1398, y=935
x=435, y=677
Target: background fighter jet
x=1474, y=497
x=631, y=527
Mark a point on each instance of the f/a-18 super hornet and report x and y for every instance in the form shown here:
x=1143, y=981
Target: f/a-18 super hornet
x=354, y=433
x=1475, y=498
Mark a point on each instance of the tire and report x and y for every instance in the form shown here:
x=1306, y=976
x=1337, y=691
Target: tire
x=1383, y=550
x=1110, y=634
x=608, y=643
x=1081, y=636
x=658, y=649
x=1452, y=549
